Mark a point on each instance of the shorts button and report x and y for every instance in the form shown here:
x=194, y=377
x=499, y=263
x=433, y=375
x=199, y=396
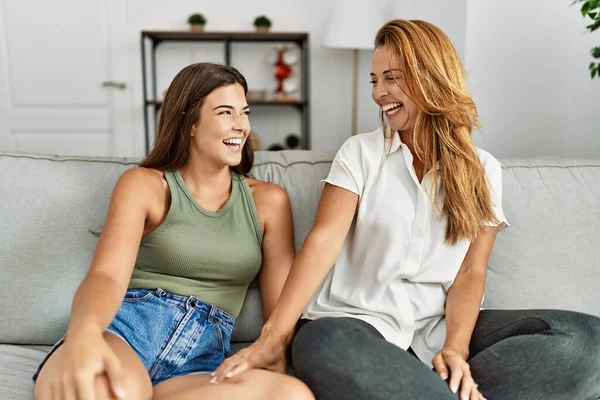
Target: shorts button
x=193, y=304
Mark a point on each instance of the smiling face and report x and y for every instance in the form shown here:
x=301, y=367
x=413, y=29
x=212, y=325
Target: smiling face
x=390, y=91
x=223, y=126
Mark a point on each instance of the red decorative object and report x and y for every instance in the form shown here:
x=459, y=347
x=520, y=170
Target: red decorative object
x=282, y=71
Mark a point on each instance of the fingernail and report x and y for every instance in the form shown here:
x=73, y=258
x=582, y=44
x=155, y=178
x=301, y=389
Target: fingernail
x=454, y=389
x=465, y=398
x=120, y=392
x=229, y=375
x=444, y=375
x=213, y=379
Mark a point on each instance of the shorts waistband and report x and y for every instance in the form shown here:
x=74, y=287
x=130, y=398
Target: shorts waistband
x=191, y=302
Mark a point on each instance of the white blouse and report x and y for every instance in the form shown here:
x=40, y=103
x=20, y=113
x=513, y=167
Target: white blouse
x=394, y=270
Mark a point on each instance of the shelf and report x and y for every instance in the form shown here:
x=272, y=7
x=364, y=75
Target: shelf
x=216, y=36
x=292, y=102
x=152, y=39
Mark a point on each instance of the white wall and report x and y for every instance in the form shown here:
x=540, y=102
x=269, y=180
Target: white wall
x=528, y=70
x=527, y=62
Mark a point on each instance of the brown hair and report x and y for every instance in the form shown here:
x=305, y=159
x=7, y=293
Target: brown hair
x=447, y=114
x=181, y=110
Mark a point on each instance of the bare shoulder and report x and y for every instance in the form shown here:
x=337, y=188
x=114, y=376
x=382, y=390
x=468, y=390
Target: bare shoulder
x=267, y=193
x=141, y=182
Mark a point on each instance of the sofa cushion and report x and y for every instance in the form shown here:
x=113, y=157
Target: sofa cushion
x=550, y=255
x=17, y=365
x=49, y=204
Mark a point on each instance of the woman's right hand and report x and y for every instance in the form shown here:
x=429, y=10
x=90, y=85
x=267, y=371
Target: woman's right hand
x=86, y=356
x=267, y=352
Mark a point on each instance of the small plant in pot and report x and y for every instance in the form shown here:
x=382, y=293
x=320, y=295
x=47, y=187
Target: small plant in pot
x=262, y=23
x=292, y=141
x=197, y=22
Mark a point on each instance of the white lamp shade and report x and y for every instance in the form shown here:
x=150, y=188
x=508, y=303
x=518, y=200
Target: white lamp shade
x=354, y=24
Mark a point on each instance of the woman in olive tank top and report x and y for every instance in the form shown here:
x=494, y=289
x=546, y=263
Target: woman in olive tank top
x=185, y=234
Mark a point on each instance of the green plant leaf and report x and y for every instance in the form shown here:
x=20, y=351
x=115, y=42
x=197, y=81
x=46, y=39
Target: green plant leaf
x=595, y=52
x=585, y=8
x=593, y=15
x=594, y=70
x=593, y=26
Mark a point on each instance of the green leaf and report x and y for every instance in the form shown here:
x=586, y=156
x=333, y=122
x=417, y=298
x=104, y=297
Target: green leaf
x=595, y=52
x=585, y=8
x=593, y=15
x=594, y=70
x=593, y=26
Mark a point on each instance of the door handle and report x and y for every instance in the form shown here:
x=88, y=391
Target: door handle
x=113, y=84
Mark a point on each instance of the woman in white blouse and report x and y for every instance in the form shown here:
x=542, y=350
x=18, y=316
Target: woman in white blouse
x=390, y=279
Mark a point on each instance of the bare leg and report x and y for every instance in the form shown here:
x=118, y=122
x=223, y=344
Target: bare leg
x=137, y=381
x=254, y=384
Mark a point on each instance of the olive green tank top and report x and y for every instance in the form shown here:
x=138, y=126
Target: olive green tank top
x=213, y=256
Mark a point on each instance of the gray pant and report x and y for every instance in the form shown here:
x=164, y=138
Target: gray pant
x=514, y=355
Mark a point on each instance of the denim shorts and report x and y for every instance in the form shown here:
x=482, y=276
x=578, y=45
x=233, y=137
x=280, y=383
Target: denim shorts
x=172, y=335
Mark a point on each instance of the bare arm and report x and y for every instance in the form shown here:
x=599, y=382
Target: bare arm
x=101, y=292
x=464, y=296
x=278, y=243
x=315, y=259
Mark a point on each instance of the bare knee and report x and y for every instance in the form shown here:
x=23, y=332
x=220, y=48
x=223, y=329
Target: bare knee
x=274, y=386
x=293, y=389
x=134, y=390
x=285, y=387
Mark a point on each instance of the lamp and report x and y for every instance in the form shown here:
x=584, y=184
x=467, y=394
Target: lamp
x=353, y=26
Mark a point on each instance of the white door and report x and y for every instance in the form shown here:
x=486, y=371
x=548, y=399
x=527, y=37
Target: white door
x=64, y=78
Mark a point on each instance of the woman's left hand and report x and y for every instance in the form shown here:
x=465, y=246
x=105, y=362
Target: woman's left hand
x=452, y=363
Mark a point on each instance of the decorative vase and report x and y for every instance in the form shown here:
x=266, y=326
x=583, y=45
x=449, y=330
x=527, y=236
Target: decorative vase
x=262, y=29
x=197, y=28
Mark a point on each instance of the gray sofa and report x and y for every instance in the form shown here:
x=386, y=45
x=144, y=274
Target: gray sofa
x=548, y=258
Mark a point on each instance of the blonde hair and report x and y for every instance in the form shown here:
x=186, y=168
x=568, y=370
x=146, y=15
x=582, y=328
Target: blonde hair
x=447, y=114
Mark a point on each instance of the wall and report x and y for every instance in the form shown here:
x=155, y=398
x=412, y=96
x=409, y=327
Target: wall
x=527, y=62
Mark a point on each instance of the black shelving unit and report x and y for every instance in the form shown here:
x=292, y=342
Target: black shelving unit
x=152, y=39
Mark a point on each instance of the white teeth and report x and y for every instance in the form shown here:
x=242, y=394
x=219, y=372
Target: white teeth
x=388, y=107
x=233, y=141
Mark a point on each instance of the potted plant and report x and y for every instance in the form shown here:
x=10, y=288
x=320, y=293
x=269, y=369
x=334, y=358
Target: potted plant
x=292, y=141
x=197, y=22
x=591, y=9
x=262, y=23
